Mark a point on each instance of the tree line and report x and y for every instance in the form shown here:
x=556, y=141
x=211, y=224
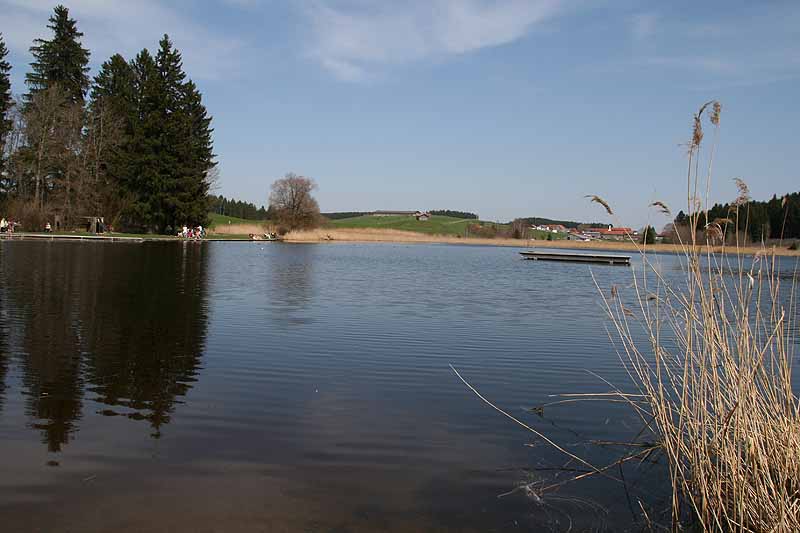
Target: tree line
x=570, y=224
x=455, y=214
x=776, y=218
x=438, y=212
x=237, y=208
x=340, y=215
x=133, y=145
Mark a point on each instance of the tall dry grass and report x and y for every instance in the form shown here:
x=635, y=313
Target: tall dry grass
x=388, y=235
x=399, y=236
x=711, y=358
x=241, y=229
x=715, y=371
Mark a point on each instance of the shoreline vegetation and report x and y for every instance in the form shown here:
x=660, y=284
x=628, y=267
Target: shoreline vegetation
x=240, y=232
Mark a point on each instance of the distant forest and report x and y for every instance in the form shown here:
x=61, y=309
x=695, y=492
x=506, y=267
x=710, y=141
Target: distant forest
x=455, y=214
x=541, y=221
x=237, y=208
x=776, y=218
x=439, y=212
x=344, y=214
x=132, y=145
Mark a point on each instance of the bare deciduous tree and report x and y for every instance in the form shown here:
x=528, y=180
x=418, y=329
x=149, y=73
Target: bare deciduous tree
x=291, y=202
x=53, y=132
x=96, y=191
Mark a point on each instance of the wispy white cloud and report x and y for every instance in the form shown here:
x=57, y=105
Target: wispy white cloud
x=352, y=40
x=112, y=26
x=724, y=51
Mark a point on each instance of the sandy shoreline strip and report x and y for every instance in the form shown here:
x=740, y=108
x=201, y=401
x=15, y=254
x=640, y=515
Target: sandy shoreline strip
x=367, y=235
x=395, y=236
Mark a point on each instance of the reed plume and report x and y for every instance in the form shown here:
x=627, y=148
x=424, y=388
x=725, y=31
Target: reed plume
x=697, y=133
x=744, y=192
x=596, y=199
x=715, y=113
x=662, y=207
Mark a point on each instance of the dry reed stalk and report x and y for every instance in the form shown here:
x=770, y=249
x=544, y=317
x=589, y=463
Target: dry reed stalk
x=716, y=374
x=399, y=236
x=240, y=229
x=596, y=199
x=711, y=359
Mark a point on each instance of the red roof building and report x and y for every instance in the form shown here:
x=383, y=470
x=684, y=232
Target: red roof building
x=611, y=232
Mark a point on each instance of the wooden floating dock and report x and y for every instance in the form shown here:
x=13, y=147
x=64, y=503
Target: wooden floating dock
x=576, y=257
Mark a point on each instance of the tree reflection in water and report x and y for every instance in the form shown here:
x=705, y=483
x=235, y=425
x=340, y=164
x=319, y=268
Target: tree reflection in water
x=4, y=324
x=123, y=325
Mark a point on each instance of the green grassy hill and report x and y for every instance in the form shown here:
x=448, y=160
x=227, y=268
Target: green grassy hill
x=438, y=225
x=220, y=220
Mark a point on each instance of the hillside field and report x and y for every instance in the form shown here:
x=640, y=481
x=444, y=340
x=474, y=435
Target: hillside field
x=437, y=225
x=215, y=220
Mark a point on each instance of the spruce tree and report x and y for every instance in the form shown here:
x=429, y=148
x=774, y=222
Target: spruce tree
x=143, y=175
x=114, y=83
x=111, y=119
x=5, y=99
x=161, y=163
x=649, y=235
x=197, y=157
x=171, y=164
x=177, y=177
x=60, y=61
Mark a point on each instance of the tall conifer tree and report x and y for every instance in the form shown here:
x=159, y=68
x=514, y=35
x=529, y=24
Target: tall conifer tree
x=197, y=157
x=142, y=177
x=173, y=144
x=115, y=83
x=61, y=60
x=169, y=97
x=111, y=118
x=5, y=99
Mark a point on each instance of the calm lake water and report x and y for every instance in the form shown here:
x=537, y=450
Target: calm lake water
x=271, y=387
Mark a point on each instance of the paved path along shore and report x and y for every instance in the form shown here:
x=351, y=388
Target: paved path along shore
x=112, y=238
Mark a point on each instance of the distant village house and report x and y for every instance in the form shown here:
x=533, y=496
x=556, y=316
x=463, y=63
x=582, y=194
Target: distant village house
x=610, y=233
x=551, y=228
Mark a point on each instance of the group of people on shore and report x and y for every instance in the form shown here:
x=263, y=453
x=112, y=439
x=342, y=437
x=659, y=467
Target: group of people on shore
x=192, y=233
x=8, y=226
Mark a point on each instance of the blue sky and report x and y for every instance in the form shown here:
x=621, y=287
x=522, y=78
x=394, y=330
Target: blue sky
x=506, y=108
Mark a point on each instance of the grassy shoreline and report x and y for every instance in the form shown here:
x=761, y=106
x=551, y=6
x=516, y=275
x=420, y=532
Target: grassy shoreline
x=372, y=235
x=395, y=236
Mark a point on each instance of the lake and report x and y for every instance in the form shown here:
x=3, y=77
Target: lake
x=276, y=387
